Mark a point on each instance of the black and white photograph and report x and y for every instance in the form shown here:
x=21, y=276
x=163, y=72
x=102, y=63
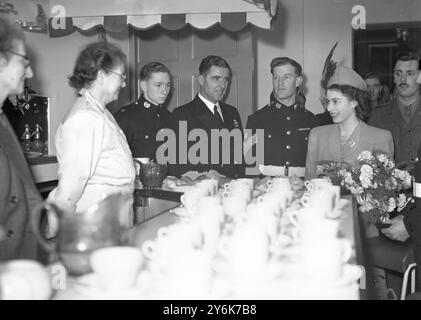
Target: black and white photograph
x=210, y=155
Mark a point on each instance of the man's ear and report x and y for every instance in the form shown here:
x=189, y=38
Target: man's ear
x=298, y=81
x=100, y=76
x=143, y=85
x=201, y=79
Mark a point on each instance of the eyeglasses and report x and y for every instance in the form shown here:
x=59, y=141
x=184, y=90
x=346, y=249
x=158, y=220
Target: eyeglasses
x=122, y=76
x=20, y=55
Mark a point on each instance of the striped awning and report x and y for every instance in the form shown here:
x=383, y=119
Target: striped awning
x=67, y=16
x=231, y=21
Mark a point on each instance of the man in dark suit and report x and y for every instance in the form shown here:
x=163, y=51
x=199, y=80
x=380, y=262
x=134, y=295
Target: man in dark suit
x=285, y=121
x=18, y=193
x=208, y=113
x=142, y=119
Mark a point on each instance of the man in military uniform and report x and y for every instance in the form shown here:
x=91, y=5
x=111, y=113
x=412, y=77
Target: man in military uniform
x=142, y=119
x=408, y=224
x=208, y=113
x=402, y=116
x=285, y=121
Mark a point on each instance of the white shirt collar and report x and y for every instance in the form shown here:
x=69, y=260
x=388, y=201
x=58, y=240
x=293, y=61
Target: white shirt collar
x=210, y=105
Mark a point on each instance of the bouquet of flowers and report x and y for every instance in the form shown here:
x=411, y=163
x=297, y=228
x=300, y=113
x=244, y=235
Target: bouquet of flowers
x=377, y=184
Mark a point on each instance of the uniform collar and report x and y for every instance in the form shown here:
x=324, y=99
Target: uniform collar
x=147, y=104
x=278, y=105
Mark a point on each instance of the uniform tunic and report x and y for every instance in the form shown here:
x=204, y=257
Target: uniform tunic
x=140, y=122
x=406, y=136
x=286, y=130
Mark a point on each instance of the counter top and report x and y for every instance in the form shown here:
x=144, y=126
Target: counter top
x=158, y=194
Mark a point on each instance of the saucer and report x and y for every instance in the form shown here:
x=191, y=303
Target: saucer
x=350, y=275
x=88, y=285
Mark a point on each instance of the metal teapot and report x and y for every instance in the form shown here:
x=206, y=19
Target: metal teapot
x=82, y=232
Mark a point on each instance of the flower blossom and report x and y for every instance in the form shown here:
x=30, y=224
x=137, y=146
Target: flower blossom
x=365, y=155
x=391, y=205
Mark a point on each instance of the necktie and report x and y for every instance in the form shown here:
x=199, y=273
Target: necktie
x=218, y=116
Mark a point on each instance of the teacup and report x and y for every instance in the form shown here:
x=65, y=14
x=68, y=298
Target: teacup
x=246, y=251
x=320, y=199
x=24, y=279
x=117, y=268
x=316, y=183
x=190, y=276
x=324, y=260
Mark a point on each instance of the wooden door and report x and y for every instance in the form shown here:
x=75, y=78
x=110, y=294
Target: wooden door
x=183, y=50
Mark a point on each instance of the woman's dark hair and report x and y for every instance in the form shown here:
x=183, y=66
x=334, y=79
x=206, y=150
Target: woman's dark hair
x=152, y=67
x=94, y=57
x=363, y=108
x=9, y=34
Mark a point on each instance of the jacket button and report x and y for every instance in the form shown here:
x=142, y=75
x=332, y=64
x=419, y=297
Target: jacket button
x=146, y=137
x=288, y=147
x=288, y=118
x=157, y=115
x=13, y=199
x=269, y=136
x=288, y=132
x=287, y=163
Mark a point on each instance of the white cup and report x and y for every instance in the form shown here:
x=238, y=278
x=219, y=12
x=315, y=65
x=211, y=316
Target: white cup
x=316, y=183
x=117, y=268
x=24, y=280
x=324, y=260
x=190, y=200
x=190, y=276
x=247, y=252
x=320, y=199
x=234, y=206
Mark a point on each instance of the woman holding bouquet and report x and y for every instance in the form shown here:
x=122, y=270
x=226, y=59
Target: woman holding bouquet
x=342, y=141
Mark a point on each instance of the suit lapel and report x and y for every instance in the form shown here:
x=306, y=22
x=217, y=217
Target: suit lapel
x=204, y=115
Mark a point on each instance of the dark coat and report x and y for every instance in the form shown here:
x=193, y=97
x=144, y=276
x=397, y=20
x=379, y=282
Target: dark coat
x=198, y=116
x=406, y=136
x=18, y=196
x=140, y=122
x=286, y=131
x=412, y=220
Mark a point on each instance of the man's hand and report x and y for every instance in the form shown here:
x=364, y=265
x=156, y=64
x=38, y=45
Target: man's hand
x=397, y=230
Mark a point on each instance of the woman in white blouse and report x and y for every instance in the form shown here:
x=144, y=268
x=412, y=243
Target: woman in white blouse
x=93, y=155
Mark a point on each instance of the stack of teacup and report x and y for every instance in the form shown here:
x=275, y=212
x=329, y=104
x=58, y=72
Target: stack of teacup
x=320, y=253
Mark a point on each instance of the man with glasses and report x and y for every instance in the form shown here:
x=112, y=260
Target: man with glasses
x=142, y=119
x=18, y=193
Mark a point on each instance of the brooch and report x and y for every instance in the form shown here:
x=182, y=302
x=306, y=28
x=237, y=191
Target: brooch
x=146, y=104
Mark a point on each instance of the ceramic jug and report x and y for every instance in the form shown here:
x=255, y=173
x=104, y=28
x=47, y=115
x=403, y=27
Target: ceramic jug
x=79, y=233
